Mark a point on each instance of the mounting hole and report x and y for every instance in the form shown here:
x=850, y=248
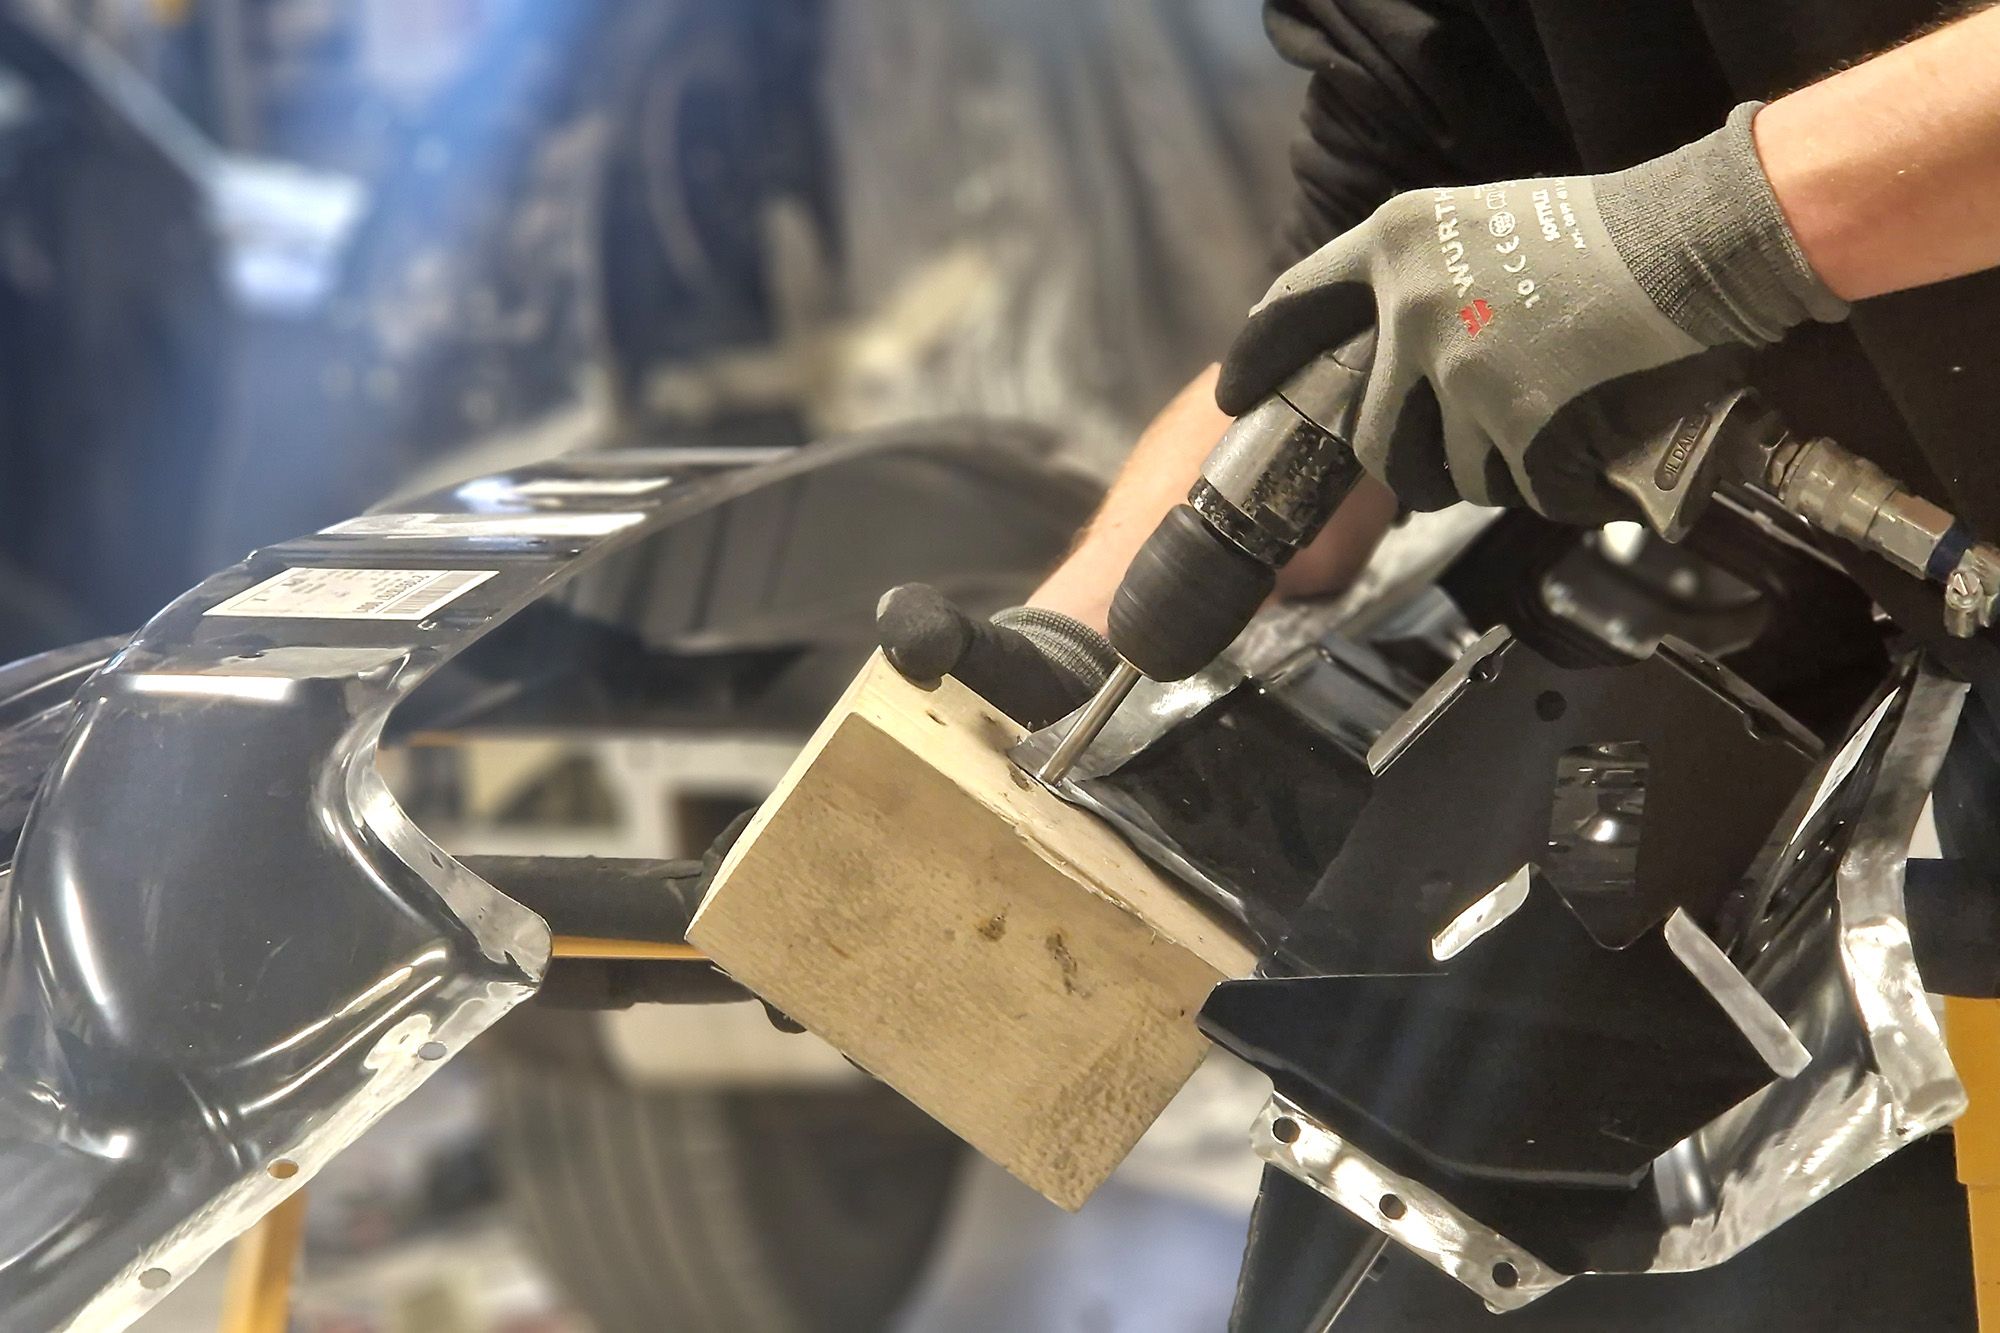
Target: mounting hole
x=432, y=1050
x=1484, y=670
x=1550, y=705
x=1506, y=1275
x=282, y=1169
x=155, y=1278
x=1285, y=1129
x=1391, y=1207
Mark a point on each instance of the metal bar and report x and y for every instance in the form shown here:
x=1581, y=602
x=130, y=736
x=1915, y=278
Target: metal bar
x=258, y=1298
x=1089, y=722
x=621, y=899
x=1349, y=1282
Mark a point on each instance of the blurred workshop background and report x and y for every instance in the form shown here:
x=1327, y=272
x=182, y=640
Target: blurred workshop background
x=265, y=262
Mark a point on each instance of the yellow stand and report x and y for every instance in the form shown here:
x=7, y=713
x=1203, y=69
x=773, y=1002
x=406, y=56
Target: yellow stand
x=591, y=946
x=258, y=1298
x=1972, y=1029
x=259, y=1295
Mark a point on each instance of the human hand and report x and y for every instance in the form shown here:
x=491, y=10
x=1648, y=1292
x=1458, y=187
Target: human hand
x=1031, y=664
x=1529, y=333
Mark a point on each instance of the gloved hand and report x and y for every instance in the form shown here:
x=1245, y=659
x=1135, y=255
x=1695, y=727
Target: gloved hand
x=1031, y=664
x=1530, y=332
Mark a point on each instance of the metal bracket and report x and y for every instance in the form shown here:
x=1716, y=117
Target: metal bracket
x=1501, y=1273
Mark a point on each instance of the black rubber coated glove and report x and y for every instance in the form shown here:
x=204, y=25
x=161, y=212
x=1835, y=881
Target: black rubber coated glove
x=1033, y=665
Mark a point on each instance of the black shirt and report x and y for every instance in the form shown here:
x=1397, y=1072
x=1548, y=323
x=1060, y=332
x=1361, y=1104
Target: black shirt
x=1411, y=93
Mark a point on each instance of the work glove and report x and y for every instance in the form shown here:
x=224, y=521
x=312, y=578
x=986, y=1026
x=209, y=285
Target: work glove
x=1033, y=665
x=1529, y=333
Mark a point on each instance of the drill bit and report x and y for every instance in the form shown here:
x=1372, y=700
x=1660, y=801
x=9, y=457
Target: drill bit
x=1089, y=721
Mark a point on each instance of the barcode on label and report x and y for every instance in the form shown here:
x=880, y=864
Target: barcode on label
x=354, y=594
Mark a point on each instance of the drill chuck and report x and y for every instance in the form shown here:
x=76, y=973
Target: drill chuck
x=1188, y=594
x=1269, y=486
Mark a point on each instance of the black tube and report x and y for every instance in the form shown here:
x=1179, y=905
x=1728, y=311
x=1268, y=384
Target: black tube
x=602, y=897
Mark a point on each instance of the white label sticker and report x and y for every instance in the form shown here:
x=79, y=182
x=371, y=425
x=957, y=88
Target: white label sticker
x=354, y=594
x=591, y=485
x=485, y=525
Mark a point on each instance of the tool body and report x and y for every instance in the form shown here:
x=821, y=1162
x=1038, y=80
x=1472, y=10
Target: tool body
x=1281, y=470
x=1267, y=489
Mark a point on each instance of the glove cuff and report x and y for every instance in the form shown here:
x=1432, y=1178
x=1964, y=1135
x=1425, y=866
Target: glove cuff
x=1707, y=240
x=1068, y=643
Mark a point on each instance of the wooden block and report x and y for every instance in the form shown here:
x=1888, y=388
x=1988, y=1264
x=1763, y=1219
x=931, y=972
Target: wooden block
x=1001, y=958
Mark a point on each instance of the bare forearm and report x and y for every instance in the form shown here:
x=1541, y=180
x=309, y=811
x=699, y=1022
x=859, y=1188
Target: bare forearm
x=1889, y=172
x=1156, y=477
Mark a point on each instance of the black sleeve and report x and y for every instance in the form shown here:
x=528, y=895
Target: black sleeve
x=1409, y=93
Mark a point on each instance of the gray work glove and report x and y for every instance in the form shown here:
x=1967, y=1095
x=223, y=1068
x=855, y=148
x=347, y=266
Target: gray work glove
x=1530, y=332
x=1033, y=665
